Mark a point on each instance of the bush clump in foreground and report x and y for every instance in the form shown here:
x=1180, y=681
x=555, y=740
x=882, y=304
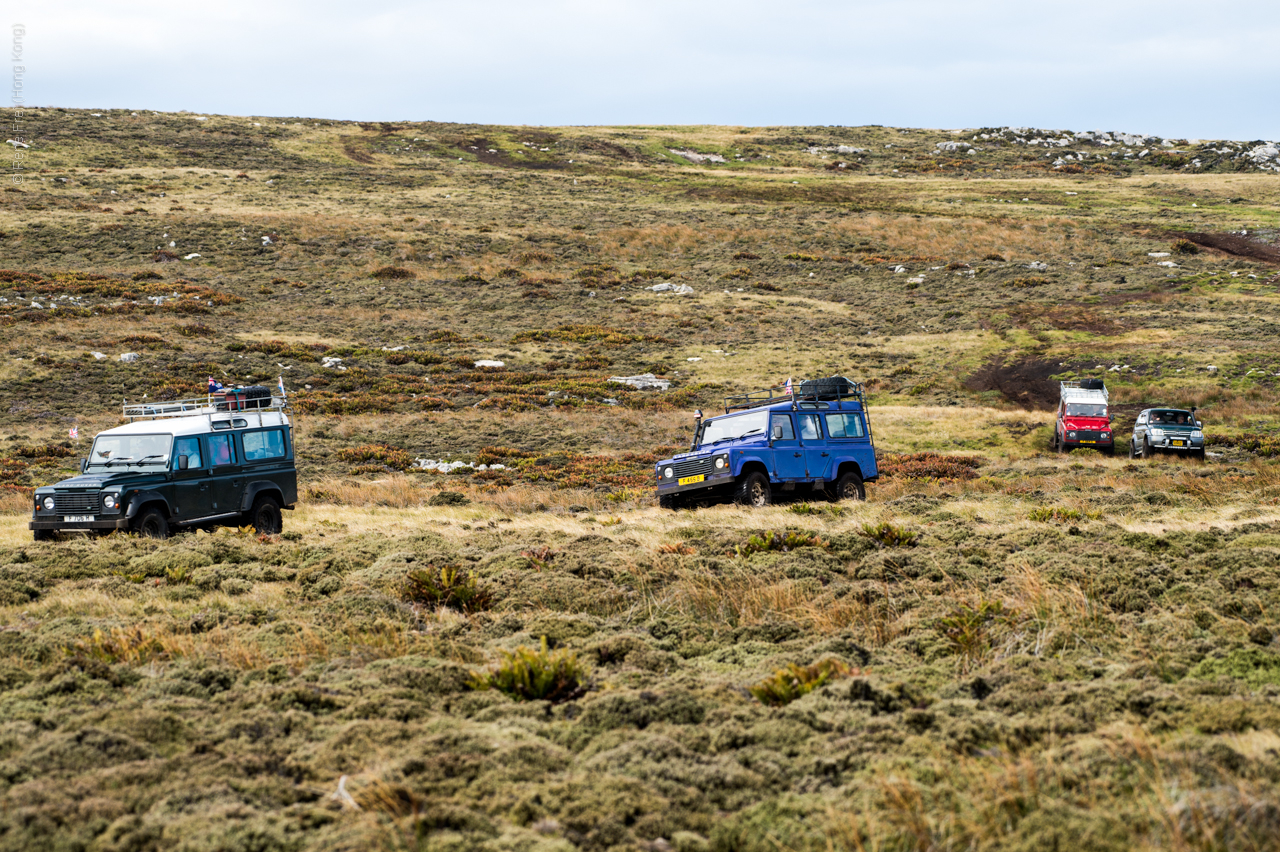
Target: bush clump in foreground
x=795, y=681
x=446, y=585
x=886, y=534
x=778, y=542
x=527, y=674
x=929, y=466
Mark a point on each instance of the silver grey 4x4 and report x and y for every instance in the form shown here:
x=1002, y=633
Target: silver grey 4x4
x=1167, y=430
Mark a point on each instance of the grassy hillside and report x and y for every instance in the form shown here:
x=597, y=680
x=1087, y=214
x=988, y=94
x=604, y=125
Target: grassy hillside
x=1002, y=648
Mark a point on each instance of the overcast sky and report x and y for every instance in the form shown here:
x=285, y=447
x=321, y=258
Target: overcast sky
x=1170, y=68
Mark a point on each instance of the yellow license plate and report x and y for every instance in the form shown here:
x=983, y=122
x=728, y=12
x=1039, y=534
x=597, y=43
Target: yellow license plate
x=689, y=480
x=1177, y=443
x=1088, y=442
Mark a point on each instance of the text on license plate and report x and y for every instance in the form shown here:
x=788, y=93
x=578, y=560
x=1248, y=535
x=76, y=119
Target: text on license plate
x=1088, y=442
x=76, y=519
x=689, y=480
x=1177, y=443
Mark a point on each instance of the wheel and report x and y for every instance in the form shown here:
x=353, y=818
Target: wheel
x=1133, y=452
x=1110, y=451
x=849, y=487
x=752, y=490
x=670, y=501
x=151, y=523
x=1198, y=455
x=265, y=516
x=1146, y=447
x=1059, y=444
x=42, y=535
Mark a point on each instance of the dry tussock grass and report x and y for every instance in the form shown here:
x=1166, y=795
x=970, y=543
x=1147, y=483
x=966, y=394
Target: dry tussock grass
x=963, y=238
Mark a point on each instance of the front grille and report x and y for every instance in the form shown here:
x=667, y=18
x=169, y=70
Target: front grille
x=693, y=467
x=1088, y=436
x=76, y=502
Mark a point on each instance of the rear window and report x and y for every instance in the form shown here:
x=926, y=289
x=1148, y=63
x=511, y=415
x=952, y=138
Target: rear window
x=844, y=425
x=264, y=445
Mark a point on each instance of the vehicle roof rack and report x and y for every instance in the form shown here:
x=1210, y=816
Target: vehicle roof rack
x=1084, y=389
x=836, y=388
x=196, y=406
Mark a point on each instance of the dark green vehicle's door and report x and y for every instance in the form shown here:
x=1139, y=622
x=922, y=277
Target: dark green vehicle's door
x=228, y=477
x=192, y=492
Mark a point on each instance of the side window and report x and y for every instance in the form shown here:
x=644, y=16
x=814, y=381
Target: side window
x=844, y=425
x=221, y=450
x=780, y=428
x=1142, y=419
x=189, y=447
x=810, y=430
x=263, y=445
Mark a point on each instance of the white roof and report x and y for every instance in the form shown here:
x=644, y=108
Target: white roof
x=200, y=424
x=1097, y=397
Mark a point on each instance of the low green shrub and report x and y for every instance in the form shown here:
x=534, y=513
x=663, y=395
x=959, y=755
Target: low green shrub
x=449, y=498
x=448, y=586
x=1060, y=515
x=886, y=534
x=795, y=681
x=777, y=541
x=529, y=674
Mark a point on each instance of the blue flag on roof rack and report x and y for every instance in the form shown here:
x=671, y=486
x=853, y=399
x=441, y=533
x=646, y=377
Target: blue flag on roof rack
x=214, y=386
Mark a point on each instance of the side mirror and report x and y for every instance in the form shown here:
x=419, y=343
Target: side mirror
x=182, y=462
x=777, y=433
x=84, y=465
x=1111, y=418
x=1199, y=424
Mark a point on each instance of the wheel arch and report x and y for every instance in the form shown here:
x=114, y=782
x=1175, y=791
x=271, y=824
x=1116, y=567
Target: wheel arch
x=256, y=489
x=146, y=499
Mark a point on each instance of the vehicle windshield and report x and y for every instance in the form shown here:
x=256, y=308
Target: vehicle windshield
x=1172, y=417
x=130, y=450
x=1085, y=409
x=735, y=426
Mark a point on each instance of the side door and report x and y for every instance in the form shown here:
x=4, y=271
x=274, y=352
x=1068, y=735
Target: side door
x=847, y=438
x=192, y=493
x=788, y=455
x=1140, y=430
x=817, y=456
x=228, y=480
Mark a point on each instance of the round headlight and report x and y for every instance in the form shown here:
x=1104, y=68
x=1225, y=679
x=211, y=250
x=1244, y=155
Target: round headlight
x=668, y=473
x=719, y=462
x=1106, y=435
x=1071, y=434
x=48, y=503
x=109, y=501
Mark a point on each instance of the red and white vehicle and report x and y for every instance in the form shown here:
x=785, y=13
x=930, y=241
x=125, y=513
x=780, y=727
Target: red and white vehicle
x=1084, y=417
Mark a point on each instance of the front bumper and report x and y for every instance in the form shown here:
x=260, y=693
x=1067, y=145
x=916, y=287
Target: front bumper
x=1176, y=445
x=1089, y=442
x=59, y=525
x=712, y=481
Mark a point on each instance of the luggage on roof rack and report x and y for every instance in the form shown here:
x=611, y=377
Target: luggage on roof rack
x=243, y=399
x=833, y=388
x=1092, y=384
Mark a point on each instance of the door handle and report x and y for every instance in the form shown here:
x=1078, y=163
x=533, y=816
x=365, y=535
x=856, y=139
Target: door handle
x=798, y=455
x=824, y=455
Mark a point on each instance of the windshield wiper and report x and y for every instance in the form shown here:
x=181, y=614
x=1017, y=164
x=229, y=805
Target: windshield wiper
x=124, y=459
x=733, y=437
x=147, y=458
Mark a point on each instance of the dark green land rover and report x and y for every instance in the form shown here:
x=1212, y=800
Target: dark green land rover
x=190, y=463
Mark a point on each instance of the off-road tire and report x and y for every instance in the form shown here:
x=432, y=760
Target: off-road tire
x=1110, y=451
x=42, y=535
x=151, y=523
x=265, y=516
x=1147, y=452
x=753, y=490
x=848, y=487
x=1197, y=455
x=1059, y=444
x=1133, y=450
x=670, y=501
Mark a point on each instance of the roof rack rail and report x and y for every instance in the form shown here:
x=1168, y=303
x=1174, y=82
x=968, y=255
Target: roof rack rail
x=1085, y=387
x=202, y=405
x=836, y=388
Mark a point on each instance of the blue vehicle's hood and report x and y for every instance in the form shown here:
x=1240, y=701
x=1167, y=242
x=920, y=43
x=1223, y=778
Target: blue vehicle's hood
x=716, y=449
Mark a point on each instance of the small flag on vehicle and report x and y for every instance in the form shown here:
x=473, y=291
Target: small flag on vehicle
x=214, y=386
x=74, y=433
x=788, y=387
x=280, y=384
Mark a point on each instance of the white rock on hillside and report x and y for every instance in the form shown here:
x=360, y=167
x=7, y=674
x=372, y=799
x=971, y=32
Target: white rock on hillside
x=645, y=381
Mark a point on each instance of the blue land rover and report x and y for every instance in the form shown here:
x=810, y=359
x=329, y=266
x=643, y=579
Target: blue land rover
x=813, y=438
